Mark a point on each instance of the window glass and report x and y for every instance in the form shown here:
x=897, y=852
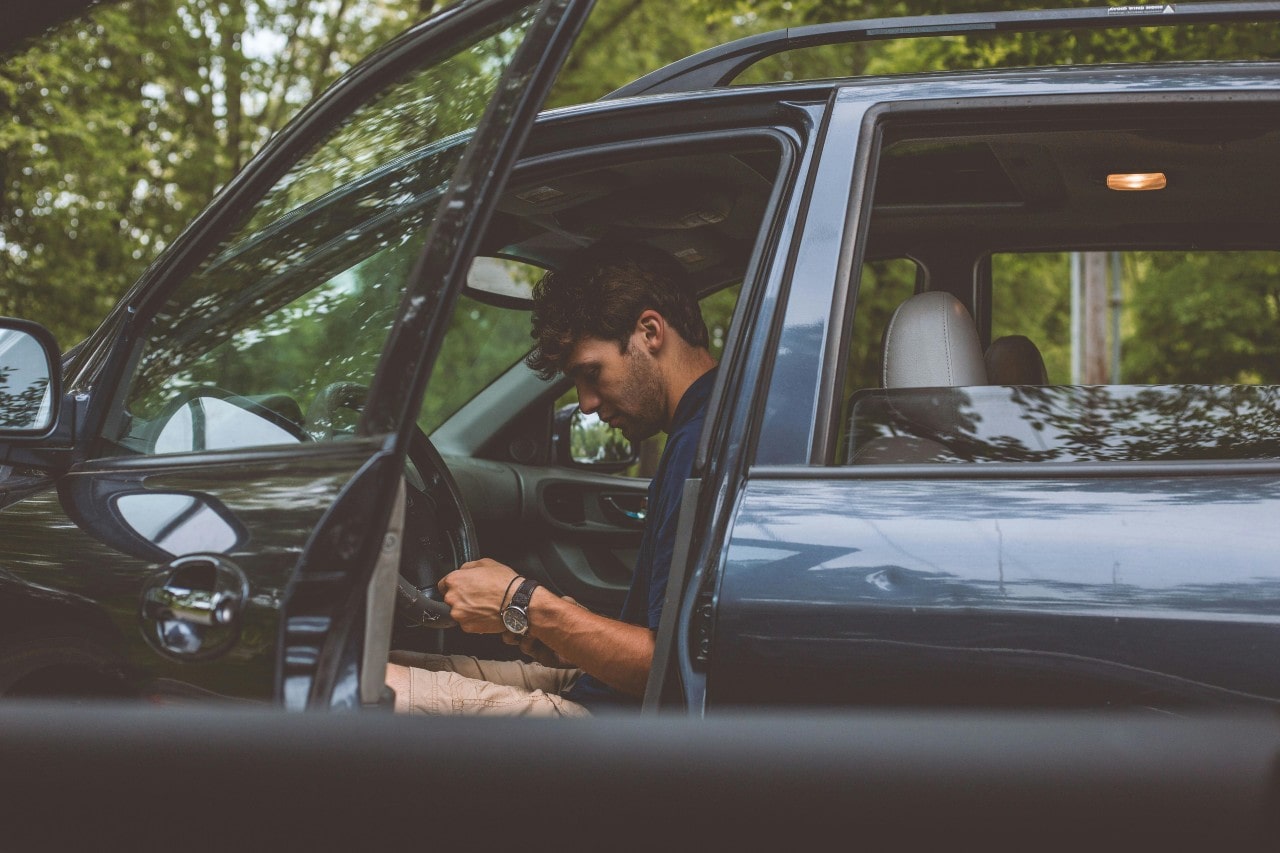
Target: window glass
x=881, y=288
x=293, y=310
x=482, y=342
x=1148, y=356
x=1161, y=317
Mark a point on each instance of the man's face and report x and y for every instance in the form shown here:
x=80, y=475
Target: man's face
x=624, y=388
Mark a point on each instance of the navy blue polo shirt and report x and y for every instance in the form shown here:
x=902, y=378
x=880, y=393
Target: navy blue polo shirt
x=643, y=605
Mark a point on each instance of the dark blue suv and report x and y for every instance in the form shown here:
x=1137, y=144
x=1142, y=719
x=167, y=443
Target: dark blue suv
x=996, y=423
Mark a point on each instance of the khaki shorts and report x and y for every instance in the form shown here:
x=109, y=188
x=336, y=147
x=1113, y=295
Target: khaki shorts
x=459, y=684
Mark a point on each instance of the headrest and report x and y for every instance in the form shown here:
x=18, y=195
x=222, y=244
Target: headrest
x=1015, y=360
x=931, y=341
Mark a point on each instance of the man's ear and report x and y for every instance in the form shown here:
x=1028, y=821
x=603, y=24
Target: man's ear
x=653, y=330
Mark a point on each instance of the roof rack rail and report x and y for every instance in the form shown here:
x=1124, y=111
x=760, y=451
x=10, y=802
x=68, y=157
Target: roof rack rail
x=720, y=65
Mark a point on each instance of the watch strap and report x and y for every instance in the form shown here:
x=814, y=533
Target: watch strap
x=524, y=594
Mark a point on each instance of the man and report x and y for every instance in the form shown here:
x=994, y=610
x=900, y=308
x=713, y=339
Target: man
x=621, y=324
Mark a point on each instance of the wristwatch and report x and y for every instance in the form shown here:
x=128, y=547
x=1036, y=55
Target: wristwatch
x=515, y=616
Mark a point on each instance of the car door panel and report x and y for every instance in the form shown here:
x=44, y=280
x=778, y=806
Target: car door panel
x=92, y=553
x=579, y=533
x=288, y=526
x=984, y=592
x=568, y=528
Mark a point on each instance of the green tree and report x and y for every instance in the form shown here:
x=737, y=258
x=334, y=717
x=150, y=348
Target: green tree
x=123, y=124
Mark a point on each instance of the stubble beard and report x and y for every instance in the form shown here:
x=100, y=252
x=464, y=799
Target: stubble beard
x=644, y=395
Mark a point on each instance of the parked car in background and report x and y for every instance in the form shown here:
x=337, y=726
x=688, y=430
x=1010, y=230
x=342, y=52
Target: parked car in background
x=908, y=496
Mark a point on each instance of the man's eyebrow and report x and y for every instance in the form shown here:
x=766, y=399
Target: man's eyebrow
x=579, y=367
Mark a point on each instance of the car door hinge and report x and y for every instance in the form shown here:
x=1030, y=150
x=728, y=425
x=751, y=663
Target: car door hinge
x=703, y=616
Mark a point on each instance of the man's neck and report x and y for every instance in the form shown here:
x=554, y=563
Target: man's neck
x=691, y=367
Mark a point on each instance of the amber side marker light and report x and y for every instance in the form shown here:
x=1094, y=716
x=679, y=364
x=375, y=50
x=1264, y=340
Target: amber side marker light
x=1136, y=181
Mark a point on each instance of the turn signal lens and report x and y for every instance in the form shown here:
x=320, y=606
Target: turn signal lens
x=1136, y=181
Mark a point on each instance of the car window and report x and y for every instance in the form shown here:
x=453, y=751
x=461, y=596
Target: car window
x=291, y=313
x=1164, y=317
x=1153, y=355
x=883, y=286
x=483, y=340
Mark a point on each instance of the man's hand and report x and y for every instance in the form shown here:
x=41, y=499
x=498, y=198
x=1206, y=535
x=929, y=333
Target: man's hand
x=474, y=593
x=617, y=653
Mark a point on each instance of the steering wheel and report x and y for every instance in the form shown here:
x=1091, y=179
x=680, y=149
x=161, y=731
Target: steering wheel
x=439, y=534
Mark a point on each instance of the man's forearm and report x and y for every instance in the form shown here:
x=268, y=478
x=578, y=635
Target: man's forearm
x=615, y=652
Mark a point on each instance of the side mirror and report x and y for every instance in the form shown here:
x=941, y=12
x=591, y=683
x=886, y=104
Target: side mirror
x=585, y=441
x=30, y=373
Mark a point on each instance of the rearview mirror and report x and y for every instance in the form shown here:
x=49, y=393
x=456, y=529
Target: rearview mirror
x=29, y=372
x=502, y=282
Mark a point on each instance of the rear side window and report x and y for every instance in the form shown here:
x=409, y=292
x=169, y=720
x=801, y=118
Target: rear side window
x=1144, y=317
x=882, y=286
x=1103, y=356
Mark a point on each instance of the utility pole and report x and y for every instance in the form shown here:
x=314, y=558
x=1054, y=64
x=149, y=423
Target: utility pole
x=1117, y=304
x=1077, y=342
x=1094, y=318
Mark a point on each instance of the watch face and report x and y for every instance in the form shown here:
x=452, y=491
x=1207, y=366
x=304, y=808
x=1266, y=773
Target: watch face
x=515, y=620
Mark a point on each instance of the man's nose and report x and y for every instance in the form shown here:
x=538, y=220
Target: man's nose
x=587, y=401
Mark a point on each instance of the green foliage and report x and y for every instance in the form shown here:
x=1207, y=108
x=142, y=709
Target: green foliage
x=1206, y=317
x=625, y=39
x=482, y=342
x=1031, y=296
x=20, y=409
x=594, y=441
x=300, y=299
x=883, y=286
x=122, y=125
x=1203, y=317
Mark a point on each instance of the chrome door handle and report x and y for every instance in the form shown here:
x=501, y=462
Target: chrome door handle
x=191, y=609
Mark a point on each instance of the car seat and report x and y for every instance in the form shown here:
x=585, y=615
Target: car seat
x=931, y=342
x=1015, y=360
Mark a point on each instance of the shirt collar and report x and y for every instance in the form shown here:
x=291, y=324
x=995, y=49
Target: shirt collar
x=694, y=400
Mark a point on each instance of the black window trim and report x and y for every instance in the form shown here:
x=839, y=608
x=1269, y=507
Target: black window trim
x=981, y=110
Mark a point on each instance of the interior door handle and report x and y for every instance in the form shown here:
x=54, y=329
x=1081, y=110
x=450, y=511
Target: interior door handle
x=637, y=510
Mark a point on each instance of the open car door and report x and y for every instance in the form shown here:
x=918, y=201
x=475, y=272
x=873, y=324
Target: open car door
x=230, y=457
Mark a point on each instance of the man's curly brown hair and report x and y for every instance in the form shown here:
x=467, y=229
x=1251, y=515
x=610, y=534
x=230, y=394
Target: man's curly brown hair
x=601, y=294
